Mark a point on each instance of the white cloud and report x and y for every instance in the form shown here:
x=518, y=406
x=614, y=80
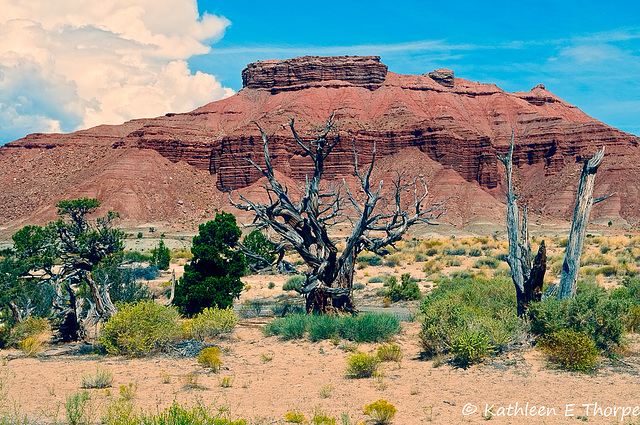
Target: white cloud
x=71, y=64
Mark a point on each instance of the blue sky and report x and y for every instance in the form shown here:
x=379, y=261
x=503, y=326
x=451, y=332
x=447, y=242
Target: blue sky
x=123, y=60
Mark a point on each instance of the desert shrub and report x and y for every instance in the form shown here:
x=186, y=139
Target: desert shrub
x=475, y=252
x=451, y=261
x=136, y=257
x=211, y=323
x=358, y=286
x=362, y=328
x=570, y=349
x=103, y=378
x=320, y=418
x=607, y=270
x=381, y=412
x=460, y=250
x=432, y=266
x=288, y=327
x=210, y=357
x=468, y=319
x=139, y=329
x=161, y=256
x=593, y=311
x=295, y=417
x=271, y=285
x=181, y=253
x=392, y=260
x=492, y=263
x=407, y=290
x=389, y=353
x=376, y=279
x=293, y=283
x=31, y=327
x=76, y=408
x=361, y=365
x=369, y=327
x=469, y=346
x=321, y=327
x=430, y=252
x=195, y=415
x=31, y=346
x=369, y=258
x=419, y=257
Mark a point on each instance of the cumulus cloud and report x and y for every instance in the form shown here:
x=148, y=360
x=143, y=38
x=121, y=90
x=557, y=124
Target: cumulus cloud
x=72, y=64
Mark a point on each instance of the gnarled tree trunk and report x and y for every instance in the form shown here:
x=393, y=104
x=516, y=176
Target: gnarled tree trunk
x=528, y=278
x=304, y=225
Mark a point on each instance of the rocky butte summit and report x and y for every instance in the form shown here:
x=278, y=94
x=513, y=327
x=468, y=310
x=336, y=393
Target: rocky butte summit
x=175, y=169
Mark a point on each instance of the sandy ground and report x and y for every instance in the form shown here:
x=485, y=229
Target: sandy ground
x=271, y=377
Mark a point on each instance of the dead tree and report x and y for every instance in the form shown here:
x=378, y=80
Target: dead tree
x=527, y=277
x=304, y=225
x=584, y=202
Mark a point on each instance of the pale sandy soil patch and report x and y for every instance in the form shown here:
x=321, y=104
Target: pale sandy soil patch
x=271, y=377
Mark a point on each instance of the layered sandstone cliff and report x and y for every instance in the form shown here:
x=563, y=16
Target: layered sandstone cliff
x=455, y=126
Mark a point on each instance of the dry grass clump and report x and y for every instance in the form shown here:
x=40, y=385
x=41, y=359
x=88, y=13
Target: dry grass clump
x=103, y=378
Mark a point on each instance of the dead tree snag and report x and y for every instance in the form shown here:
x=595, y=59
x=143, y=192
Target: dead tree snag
x=584, y=202
x=304, y=225
x=527, y=277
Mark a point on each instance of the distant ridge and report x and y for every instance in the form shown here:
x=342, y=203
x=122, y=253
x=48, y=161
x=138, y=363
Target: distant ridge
x=175, y=169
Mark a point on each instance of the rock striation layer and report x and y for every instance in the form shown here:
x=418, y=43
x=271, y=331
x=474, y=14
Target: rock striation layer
x=433, y=124
x=315, y=71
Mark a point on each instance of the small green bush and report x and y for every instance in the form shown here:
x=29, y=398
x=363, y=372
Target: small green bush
x=389, y=353
x=321, y=327
x=572, y=350
x=593, y=311
x=607, y=270
x=76, y=408
x=475, y=252
x=211, y=323
x=369, y=258
x=361, y=328
x=469, y=346
x=369, y=327
x=407, y=290
x=492, y=263
x=294, y=283
x=455, y=251
x=161, y=256
x=139, y=329
x=210, y=357
x=376, y=279
x=361, y=365
x=288, y=327
x=381, y=412
x=469, y=319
